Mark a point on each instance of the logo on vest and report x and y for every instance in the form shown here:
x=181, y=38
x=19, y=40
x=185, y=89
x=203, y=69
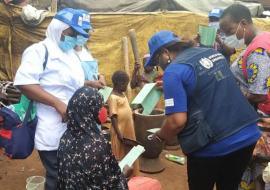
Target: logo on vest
x=206, y=63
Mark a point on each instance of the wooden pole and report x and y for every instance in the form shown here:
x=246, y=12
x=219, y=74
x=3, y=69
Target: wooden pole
x=53, y=6
x=135, y=49
x=126, y=64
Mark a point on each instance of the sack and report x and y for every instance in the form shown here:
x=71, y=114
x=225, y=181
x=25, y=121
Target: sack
x=17, y=136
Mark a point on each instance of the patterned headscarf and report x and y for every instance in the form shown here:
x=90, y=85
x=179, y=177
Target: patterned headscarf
x=85, y=159
x=83, y=109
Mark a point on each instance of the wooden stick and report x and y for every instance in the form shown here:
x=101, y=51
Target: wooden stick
x=126, y=64
x=135, y=49
x=53, y=6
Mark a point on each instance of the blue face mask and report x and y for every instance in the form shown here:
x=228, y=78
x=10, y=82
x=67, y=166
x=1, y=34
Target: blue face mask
x=68, y=43
x=81, y=40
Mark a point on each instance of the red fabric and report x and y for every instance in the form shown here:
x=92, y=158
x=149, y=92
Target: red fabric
x=265, y=106
x=260, y=41
x=103, y=114
x=5, y=133
x=143, y=183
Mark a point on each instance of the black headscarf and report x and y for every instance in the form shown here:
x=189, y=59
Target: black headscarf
x=82, y=111
x=85, y=159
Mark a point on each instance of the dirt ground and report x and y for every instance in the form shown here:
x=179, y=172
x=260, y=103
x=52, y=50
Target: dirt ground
x=13, y=173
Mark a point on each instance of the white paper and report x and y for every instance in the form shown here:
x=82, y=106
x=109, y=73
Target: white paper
x=154, y=130
x=105, y=92
x=132, y=155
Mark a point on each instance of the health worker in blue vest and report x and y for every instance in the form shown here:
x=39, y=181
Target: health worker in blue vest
x=215, y=124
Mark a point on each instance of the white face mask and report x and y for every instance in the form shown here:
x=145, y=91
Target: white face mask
x=214, y=25
x=233, y=42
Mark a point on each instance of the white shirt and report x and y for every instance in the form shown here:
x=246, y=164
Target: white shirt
x=85, y=55
x=62, y=76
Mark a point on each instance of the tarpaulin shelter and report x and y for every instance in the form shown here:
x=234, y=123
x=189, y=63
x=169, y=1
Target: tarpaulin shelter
x=265, y=3
x=202, y=6
x=106, y=40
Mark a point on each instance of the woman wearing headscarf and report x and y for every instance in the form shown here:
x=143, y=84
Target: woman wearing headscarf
x=85, y=159
x=51, y=81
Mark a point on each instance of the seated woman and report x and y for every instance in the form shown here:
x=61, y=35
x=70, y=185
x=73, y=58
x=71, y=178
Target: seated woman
x=85, y=159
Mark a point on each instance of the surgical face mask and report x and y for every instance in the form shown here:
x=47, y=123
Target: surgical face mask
x=233, y=42
x=68, y=43
x=81, y=40
x=214, y=25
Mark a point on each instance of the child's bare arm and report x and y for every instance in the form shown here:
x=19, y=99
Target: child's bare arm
x=135, y=79
x=115, y=126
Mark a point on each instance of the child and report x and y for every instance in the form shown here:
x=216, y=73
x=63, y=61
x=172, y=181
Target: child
x=121, y=116
x=149, y=75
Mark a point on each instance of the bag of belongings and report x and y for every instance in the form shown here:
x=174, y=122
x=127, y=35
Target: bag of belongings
x=17, y=131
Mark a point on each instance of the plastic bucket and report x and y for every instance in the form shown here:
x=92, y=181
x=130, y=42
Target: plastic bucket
x=35, y=183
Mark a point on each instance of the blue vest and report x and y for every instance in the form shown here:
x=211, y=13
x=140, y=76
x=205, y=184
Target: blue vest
x=216, y=107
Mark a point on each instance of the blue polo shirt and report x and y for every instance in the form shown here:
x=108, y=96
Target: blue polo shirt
x=179, y=83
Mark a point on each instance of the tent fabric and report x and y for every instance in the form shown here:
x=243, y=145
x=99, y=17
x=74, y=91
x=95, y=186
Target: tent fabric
x=265, y=3
x=106, y=39
x=202, y=6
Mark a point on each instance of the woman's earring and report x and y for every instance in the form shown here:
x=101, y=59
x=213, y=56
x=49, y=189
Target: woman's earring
x=169, y=60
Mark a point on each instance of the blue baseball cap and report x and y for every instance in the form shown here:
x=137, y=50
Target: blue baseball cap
x=159, y=40
x=216, y=12
x=86, y=24
x=73, y=18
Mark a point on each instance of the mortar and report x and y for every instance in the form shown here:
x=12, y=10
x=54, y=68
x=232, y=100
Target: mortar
x=149, y=162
